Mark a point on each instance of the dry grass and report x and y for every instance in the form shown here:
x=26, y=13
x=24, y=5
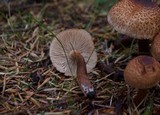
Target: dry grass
x=29, y=84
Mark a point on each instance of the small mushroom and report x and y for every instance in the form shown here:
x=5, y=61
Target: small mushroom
x=69, y=40
x=72, y=53
x=155, y=47
x=136, y=18
x=142, y=72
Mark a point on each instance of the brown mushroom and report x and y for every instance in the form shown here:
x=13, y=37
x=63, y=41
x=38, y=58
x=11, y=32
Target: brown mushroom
x=155, y=47
x=136, y=18
x=72, y=53
x=142, y=72
x=72, y=39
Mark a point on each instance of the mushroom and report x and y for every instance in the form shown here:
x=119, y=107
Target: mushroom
x=136, y=18
x=72, y=53
x=155, y=47
x=142, y=72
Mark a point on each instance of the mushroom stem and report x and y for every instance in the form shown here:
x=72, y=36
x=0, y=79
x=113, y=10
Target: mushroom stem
x=140, y=96
x=143, y=47
x=82, y=77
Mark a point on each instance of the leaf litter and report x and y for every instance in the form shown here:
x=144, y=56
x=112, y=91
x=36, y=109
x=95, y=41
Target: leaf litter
x=29, y=82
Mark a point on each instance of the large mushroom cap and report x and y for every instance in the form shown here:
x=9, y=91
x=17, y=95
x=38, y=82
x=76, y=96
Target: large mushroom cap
x=136, y=18
x=155, y=47
x=142, y=72
x=72, y=39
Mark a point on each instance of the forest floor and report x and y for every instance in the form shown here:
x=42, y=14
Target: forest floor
x=29, y=84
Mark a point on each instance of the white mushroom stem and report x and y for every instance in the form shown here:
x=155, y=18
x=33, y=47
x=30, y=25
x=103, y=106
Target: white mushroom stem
x=82, y=77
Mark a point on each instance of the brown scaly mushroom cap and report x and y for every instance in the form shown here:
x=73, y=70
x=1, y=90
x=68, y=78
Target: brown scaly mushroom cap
x=155, y=47
x=136, y=18
x=142, y=72
x=72, y=39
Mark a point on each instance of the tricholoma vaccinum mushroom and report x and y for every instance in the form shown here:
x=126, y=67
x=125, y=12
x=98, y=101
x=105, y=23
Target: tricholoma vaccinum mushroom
x=142, y=72
x=155, y=47
x=136, y=18
x=72, y=53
